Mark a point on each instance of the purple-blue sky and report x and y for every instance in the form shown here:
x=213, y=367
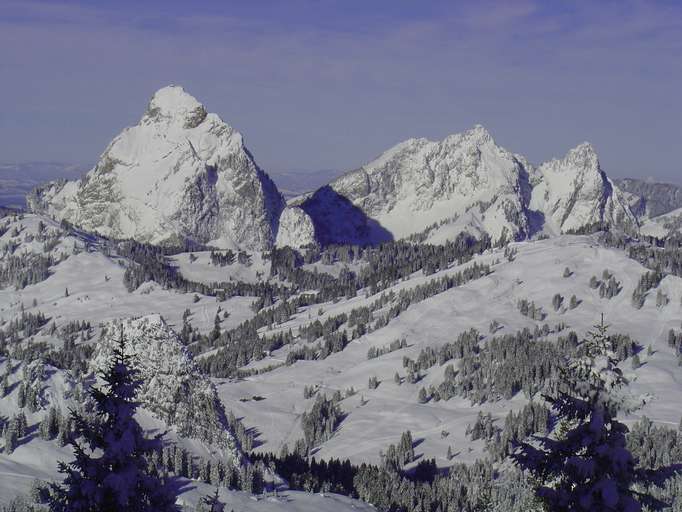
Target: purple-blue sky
x=330, y=84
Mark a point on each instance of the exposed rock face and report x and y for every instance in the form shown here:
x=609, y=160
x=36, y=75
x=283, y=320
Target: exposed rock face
x=420, y=182
x=651, y=199
x=574, y=192
x=295, y=229
x=179, y=173
x=172, y=386
x=466, y=183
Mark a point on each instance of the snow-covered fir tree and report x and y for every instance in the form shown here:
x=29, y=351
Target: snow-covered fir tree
x=109, y=472
x=584, y=465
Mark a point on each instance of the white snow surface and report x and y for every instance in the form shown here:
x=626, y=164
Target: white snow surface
x=663, y=225
x=535, y=274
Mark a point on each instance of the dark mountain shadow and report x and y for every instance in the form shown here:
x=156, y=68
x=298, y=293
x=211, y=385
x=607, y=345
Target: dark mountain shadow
x=338, y=221
x=179, y=485
x=536, y=219
x=536, y=222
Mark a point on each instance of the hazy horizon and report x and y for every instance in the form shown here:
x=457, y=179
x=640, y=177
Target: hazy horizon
x=331, y=85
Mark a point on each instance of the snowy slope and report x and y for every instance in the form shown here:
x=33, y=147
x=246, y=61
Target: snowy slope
x=179, y=173
x=465, y=182
x=97, y=292
x=375, y=417
x=663, y=225
x=535, y=274
x=35, y=458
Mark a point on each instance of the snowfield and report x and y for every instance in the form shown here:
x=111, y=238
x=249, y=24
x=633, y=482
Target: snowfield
x=535, y=274
x=373, y=417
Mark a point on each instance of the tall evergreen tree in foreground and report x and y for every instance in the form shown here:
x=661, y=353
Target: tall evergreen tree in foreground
x=585, y=464
x=109, y=472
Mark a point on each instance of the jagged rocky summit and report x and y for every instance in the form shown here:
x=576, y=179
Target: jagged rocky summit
x=465, y=182
x=180, y=173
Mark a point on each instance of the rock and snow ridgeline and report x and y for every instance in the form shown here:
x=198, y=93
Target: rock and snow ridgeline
x=482, y=188
x=183, y=173
x=179, y=173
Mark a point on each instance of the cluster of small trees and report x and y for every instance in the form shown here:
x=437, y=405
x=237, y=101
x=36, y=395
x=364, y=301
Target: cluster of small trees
x=247, y=345
x=24, y=326
x=503, y=367
x=655, y=254
x=533, y=418
x=374, y=352
x=285, y=263
x=648, y=281
x=529, y=309
x=26, y=269
x=12, y=431
x=466, y=488
x=171, y=459
x=399, y=455
x=675, y=340
x=149, y=263
x=222, y=258
x=70, y=356
x=321, y=421
x=389, y=263
x=661, y=299
x=610, y=288
x=483, y=427
x=521, y=362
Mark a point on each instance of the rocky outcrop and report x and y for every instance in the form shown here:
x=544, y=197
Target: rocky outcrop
x=296, y=229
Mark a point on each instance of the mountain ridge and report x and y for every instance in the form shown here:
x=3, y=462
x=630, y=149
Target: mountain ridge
x=182, y=173
x=466, y=182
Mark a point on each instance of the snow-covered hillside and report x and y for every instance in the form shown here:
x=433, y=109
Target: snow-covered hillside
x=181, y=172
x=378, y=416
x=569, y=280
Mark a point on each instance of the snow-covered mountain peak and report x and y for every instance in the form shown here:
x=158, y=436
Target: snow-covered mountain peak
x=476, y=136
x=581, y=161
x=574, y=192
x=180, y=173
x=466, y=182
x=172, y=103
x=583, y=156
x=420, y=182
